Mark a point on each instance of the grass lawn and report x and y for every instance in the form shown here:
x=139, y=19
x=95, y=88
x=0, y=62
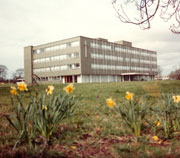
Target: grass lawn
x=95, y=130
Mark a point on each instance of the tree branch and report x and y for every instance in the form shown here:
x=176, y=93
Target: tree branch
x=146, y=10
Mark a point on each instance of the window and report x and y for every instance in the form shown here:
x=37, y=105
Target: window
x=47, y=59
x=75, y=44
x=68, y=45
x=38, y=51
x=76, y=54
x=56, y=58
x=64, y=67
x=76, y=65
x=62, y=46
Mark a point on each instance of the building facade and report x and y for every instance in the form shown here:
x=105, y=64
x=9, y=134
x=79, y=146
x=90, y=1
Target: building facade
x=82, y=60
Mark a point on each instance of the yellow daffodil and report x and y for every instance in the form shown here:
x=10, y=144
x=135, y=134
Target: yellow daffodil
x=129, y=96
x=74, y=147
x=49, y=90
x=110, y=102
x=44, y=107
x=176, y=98
x=13, y=91
x=155, y=138
x=22, y=86
x=158, y=123
x=69, y=88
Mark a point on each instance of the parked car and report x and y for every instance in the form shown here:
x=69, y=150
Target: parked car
x=20, y=80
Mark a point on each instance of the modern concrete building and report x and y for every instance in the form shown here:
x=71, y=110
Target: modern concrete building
x=81, y=59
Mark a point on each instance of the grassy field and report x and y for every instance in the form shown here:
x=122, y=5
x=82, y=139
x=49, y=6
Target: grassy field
x=95, y=130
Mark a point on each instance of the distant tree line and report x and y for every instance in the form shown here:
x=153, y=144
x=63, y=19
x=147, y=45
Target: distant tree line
x=19, y=73
x=175, y=74
x=3, y=72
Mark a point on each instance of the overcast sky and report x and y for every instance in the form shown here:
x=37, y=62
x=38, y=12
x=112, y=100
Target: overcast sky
x=34, y=22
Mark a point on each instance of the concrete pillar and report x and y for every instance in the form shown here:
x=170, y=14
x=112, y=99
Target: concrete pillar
x=28, y=64
x=72, y=78
x=123, y=78
x=79, y=79
x=63, y=79
x=100, y=80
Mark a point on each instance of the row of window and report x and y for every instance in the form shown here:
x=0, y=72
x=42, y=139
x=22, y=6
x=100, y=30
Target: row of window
x=143, y=61
x=110, y=78
x=57, y=68
x=50, y=78
x=118, y=58
x=57, y=57
x=122, y=49
x=57, y=47
x=100, y=46
x=117, y=67
x=143, y=69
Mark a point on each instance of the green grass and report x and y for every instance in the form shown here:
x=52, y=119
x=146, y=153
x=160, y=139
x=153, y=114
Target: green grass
x=95, y=129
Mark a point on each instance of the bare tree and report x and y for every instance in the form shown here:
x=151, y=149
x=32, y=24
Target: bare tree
x=3, y=72
x=141, y=12
x=175, y=74
x=19, y=73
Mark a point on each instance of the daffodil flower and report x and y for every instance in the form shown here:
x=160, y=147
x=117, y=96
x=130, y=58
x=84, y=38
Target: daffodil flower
x=74, y=147
x=129, y=96
x=50, y=90
x=158, y=123
x=110, y=102
x=69, y=88
x=44, y=107
x=13, y=91
x=176, y=99
x=22, y=86
x=155, y=138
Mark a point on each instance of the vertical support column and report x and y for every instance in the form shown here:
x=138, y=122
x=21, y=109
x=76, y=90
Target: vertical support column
x=63, y=79
x=79, y=79
x=72, y=78
x=100, y=79
x=28, y=64
x=122, y=78
x=91, y=80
